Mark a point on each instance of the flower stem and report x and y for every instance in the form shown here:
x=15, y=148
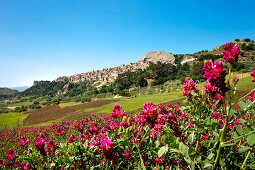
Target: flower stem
x=223, y=130
x=245, y=160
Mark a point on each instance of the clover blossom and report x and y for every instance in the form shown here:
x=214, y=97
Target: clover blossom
x=253, y=75
x=39, y=144
x=214, y=72
x=26, y=166
x=252, y=95
x=106, y=146
x=231, y=53
x=153, y=134
x=71, y=139
x=149, y=111
x=189, y=86
x=118, y=111
x=128, y=154
x=59, y=132
x=214, y=93
x=80, y=127
x=24, y=142
x=11, y=154
x=51, y=147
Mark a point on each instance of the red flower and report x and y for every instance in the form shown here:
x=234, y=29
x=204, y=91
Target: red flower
x=214, y=93
x=189, y=85
x=252, y=95
x=51, y=147
x=71, y=139
x=149, y=110
x=118, y=111
x=24, y=142
x=106, y=144
x=11, y=154
x=231, y=53
x=79, y=126
x=253, y=75
x=214, y=72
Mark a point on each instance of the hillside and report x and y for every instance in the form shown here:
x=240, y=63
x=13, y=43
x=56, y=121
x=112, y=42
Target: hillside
x=154, y=68
x=6, y=92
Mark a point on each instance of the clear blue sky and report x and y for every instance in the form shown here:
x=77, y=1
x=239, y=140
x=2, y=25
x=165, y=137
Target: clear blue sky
x=45, y=39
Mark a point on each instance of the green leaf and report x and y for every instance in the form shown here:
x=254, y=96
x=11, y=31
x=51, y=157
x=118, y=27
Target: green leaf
x=242, y=105
x=242, y=121
x=184, y=150
x=216, y=135
x=210, y=156
x=239, y=130
x=157, y=143
x=175, y=150
x=162, y=150
x=229, y=144
x=193, y=93
x=208, y=165
x=251, y=139
x=233, y=112
x=242, y=149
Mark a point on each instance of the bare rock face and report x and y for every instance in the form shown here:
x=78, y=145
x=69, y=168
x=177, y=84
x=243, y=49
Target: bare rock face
x=155, y=56
x=188, y=58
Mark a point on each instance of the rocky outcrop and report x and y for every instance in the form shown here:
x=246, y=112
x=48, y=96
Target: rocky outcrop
x=108, y=75
x=155, y=56
x=188, y=58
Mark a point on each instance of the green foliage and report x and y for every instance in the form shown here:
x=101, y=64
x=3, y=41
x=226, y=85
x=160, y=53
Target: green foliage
x=159, y=73
x=55, y=101
x=85, y=99
x=208, y=57
x=247, y=40
x=248, y=47
x=238, y=66
x=178, y=58
x=44, y=89
x=20, y=109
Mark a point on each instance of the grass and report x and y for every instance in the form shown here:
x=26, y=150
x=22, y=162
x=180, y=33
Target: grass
x=62, y=105
x=136, y=103
x=12, y=119
x=245, y=82
x=27, y=103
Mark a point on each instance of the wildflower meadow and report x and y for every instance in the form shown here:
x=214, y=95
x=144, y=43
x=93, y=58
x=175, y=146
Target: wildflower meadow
x=211, y=130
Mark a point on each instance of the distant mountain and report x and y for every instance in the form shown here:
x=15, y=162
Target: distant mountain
x=20, y=89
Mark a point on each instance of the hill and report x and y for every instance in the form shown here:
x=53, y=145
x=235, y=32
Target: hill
x=154, y=68
x=6, y=92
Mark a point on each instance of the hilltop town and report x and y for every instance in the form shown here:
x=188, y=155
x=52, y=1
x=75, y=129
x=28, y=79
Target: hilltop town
x=108, y=75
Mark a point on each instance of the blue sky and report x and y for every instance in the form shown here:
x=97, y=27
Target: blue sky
x=45, y=39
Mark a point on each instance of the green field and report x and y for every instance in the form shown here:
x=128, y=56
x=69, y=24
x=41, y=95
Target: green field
x=138, y=102
x=27, y=103
x=12, y=119
x=62, y=105
x=130, y=104
x=245, y=83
